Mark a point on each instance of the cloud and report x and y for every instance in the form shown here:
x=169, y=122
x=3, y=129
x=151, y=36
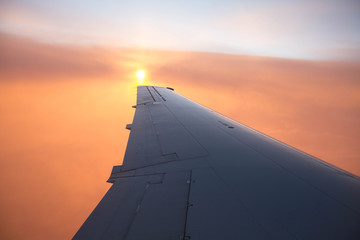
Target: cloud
x=21, y=56
x=64, y=109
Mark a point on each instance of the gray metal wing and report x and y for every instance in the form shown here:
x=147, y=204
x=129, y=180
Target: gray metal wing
x=191, y=173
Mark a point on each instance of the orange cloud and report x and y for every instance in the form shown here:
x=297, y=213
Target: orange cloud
x=22, y=57
x=64, y=109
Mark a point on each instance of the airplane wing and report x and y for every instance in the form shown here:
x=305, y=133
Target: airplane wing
x=192, y=173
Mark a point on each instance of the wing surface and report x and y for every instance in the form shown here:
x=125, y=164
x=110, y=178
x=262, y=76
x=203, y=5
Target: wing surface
x=191, y=173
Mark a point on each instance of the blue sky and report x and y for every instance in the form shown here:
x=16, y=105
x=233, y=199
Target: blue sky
x=326, y=30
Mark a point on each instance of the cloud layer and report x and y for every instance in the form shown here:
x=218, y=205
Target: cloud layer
x=64, y=108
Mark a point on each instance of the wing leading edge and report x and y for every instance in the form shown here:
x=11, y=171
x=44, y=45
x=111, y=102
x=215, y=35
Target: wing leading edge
x=191, y=173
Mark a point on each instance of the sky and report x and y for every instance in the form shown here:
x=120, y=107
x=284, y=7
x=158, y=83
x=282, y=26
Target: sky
x=289, y=69
x=316, y=29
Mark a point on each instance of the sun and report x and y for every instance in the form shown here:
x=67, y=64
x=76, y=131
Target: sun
x=140, y=76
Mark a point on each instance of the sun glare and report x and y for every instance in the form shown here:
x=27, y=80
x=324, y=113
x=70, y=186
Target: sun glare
x=140, y=76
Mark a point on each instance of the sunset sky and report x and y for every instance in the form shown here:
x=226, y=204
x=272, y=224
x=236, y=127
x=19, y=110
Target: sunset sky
x=307, y=29
x=290, y=69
